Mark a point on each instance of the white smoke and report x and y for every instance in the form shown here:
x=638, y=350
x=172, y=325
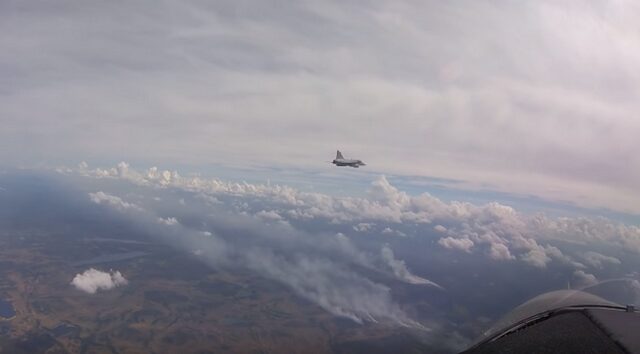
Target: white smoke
x=400, y=270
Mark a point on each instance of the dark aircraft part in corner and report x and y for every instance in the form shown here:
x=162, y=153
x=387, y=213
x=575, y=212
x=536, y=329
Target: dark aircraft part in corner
x=567, y=321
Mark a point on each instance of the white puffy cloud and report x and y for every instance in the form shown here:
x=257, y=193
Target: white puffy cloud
x=583, y=279
x=555, y=253
x=112, y=200
x=461, y=244
x=93, y=280
x=585, y=230
x=363, y=227
x=170, y=221
x=536, y=257
x=500, y=252
x=440, y=228
x=269, y=215
x=390, y=231
x=598, y=260
x=539, y=256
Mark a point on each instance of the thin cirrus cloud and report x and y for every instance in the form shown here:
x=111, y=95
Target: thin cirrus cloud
x=530, y=98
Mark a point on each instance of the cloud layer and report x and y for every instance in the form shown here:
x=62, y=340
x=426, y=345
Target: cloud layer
x=386, y=256
x=497, y=230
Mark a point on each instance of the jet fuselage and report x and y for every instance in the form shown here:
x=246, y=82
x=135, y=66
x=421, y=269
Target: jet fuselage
x=341, y=161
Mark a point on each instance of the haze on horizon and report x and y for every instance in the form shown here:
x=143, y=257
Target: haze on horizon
x=534, y=98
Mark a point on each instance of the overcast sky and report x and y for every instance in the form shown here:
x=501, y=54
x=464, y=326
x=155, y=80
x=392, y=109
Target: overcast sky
x=532, y=97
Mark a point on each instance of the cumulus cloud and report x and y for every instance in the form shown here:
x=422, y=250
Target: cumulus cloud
x=500, y=252
x=536, y=257
x=390, y=231
x=269, y=215
x=93, y=280
x=583, y=279
x=112, y=200
x=440, y=228
x=461, y=244
x=363, y=227
x=598, y=260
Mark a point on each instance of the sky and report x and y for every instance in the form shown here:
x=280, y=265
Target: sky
x=527, y=98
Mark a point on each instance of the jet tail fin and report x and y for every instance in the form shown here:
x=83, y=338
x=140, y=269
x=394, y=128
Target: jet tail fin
x=339, y=155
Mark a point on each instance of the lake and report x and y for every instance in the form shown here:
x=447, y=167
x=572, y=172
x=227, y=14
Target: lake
x=6, y=310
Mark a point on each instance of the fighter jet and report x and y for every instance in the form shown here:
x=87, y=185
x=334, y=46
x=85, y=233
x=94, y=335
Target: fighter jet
x=341, y=161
